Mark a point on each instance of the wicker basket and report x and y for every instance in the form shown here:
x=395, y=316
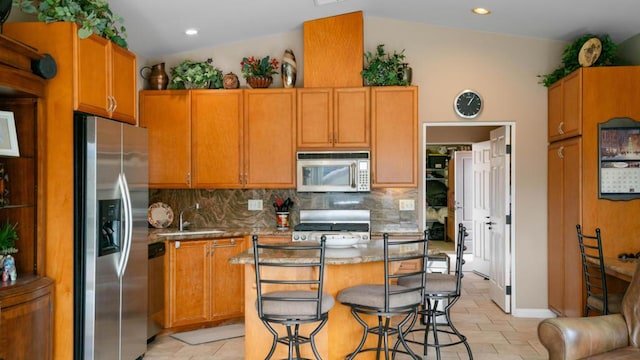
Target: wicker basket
x=257, y=82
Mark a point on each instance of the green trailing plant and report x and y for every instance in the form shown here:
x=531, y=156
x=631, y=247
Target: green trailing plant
x=8, y=237
x=92, y=16
x=383, y=69
x=570, y=58
x=196, y=74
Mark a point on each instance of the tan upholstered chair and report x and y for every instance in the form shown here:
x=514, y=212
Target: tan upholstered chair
x=598, y=337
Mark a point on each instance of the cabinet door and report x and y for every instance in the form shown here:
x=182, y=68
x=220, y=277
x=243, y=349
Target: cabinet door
x=394, y=144
x=167, y=116
x=94, y=66
x=565, y=107
x=315, y=118
x=269, y=141
x=352, y=120
x=26, y=319
x=123, y=84
x=189, y=278
x=216, y=138
x=227, y=280
x=564, y=262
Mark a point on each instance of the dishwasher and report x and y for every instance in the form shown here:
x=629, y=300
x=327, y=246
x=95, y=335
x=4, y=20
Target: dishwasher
x=155, y=304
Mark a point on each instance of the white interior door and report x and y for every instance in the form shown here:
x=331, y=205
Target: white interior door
x=480, y=208
x=500, y=212
x=463, y=197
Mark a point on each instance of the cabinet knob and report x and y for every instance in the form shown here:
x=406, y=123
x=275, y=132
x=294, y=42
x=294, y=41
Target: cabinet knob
x=560, y=152
x=560, y=131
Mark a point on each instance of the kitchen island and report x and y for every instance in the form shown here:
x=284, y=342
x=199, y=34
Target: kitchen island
x=340, y=336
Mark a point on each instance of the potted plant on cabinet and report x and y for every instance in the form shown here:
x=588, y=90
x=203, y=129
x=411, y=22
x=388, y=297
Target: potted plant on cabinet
x=92, y=16
x=196, y=75
x=570, y=57
x=8, y=237
x=259, y=72
x=385, y=69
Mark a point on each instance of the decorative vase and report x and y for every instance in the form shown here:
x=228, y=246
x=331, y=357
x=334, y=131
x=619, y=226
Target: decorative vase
x=406, y=73
x=230, y=81
x=257, y=82
x=289, y=69
x=157, y=77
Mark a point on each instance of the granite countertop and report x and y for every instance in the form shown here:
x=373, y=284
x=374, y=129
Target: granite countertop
x=196, y=234
x=362, y=253
x=371, y=252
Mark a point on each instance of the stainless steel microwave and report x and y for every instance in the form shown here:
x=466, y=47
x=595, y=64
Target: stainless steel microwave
x=334, y=171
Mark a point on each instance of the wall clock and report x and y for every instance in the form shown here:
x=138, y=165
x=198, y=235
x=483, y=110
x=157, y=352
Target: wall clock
x=468, y=104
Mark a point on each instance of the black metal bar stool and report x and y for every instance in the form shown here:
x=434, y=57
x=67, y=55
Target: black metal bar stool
x=441, y=290
x=389, y=300
x=595, y=278
x=291, y=303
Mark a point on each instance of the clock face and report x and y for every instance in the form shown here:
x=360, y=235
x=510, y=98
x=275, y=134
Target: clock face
x=468, y=104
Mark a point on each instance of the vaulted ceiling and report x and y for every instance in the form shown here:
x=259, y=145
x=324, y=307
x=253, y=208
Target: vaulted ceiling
x=158, y=27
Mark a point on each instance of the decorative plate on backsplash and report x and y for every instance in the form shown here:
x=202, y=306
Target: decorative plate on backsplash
x=160, y=215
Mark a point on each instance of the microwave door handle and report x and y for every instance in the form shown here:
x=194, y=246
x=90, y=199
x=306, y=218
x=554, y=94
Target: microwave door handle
x=352, y=175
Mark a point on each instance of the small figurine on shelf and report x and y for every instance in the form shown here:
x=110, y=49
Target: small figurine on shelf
x=9, y=272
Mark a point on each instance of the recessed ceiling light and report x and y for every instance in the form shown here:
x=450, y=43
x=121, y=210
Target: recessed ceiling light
x=191, y=32
x=481, y=11
x=325, y=2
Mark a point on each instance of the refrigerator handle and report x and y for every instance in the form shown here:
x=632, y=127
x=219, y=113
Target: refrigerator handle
x=128, y=224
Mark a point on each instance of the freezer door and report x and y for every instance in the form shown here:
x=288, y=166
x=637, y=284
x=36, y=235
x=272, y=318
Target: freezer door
x=103, y=297
x=134, y=279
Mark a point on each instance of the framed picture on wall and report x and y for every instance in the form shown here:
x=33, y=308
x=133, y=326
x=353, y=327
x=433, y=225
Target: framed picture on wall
x=8, y=136
x=619, y=159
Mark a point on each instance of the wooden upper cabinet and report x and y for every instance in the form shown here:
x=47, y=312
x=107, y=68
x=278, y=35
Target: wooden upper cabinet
x=123, y=84
x=220, y=138
x=334, y=51
x=394, y=143
x=106, y=79
x=216, y=138
x=565, y=107
x=167, y=116
x=315, y=118
x=269, y=139
x=334, y=118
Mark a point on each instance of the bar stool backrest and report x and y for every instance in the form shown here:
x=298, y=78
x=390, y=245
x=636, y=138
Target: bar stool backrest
x=308, y=277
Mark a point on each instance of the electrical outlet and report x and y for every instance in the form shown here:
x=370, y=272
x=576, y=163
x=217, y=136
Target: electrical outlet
x=255, y=204
x=407, y=205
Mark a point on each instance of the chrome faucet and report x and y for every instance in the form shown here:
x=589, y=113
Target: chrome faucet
x=181, y=224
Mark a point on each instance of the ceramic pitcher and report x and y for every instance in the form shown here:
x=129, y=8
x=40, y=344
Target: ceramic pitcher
x=157, y=77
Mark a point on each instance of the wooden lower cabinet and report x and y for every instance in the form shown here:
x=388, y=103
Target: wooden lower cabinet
x=26, y=319
x=202, y=285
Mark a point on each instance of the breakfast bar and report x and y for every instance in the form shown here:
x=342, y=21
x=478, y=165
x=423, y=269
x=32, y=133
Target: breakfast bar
x=344, y=267
x=622, y=269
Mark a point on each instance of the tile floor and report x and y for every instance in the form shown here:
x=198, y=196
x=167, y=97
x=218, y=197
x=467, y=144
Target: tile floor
x=491, y=333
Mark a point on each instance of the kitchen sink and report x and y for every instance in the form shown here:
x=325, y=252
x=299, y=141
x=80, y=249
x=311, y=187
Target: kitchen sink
x=192, y=232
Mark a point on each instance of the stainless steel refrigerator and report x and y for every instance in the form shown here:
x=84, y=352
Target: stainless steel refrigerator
x=110, y=239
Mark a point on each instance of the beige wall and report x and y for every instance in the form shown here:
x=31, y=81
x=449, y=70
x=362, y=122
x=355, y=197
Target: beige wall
x=629, y=50
x=444, y=61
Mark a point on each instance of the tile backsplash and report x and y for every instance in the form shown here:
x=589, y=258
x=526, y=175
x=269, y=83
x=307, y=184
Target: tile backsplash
x=228, y=208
